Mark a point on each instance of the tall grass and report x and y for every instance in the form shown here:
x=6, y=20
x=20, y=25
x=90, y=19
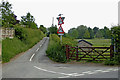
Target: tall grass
x=56, y=50
x=24, y=39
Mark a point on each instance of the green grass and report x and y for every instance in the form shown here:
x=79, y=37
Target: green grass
x=12, y=47
x=100, y=42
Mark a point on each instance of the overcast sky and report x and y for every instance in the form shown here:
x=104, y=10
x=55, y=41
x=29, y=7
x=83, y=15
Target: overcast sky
x=91, y=13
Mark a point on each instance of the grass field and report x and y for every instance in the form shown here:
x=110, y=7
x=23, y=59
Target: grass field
x=100, y=42
x=97, y=43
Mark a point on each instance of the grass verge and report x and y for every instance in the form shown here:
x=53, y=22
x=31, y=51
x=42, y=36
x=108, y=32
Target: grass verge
x=24, y=39
x=56, y=50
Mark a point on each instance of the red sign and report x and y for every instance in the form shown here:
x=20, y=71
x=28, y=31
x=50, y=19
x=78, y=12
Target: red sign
x=60, y=30
x=60, y=21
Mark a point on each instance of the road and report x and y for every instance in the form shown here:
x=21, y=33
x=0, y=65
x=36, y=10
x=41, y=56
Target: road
x=35, y=64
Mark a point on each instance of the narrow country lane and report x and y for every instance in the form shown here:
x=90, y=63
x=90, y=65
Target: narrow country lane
x=35, y=64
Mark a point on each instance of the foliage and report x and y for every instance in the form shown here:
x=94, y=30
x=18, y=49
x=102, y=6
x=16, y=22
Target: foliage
x=53, y=29
x=56, y=51
x=91, y=33
x=29, y=21
x=73, y=33
x=43, y=29
x=111, y=62
x=81, y=31
x=98, y=34
x=116, y=41
x=95, y=29
x=11, y=47
x=8, y=17
x=88, y=33
x=24, y=39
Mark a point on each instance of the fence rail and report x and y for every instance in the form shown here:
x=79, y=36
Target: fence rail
x=89, y=53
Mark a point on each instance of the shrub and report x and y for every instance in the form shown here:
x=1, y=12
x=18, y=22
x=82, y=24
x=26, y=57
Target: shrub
x=111, y=62
x=116, y=41
x=56, y=51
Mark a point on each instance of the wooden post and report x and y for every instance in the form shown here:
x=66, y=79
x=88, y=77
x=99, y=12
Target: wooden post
x=77, y=53
x=111, y=52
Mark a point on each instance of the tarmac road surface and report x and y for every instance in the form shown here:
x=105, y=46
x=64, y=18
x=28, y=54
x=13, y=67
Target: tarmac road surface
x=35, y=64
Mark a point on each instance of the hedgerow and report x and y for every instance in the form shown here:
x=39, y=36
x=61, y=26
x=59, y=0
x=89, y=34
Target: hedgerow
x=56, y=50
x=116, y=42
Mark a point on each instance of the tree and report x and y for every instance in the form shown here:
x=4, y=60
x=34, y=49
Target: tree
x=91, y=33
x=43, y=29
x=95, y=29
x=107, y=33
x=86, y=35
x=29, y=21
x=53, y=29
x=8, y=17
x=70, y=31
x=81, y=30
x=73, y=33
x=98, y=34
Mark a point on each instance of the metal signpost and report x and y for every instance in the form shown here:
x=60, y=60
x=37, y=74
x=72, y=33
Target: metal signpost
x=60, y=31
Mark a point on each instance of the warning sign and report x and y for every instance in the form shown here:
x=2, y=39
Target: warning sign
x=60, y=30
x=60, y=21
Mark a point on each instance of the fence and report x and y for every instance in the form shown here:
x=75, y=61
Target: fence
x=89, y=53
x=7, y=32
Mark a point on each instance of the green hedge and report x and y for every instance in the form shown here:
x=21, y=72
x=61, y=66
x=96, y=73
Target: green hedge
x=56, y=51
x=24, y=39
x=116, y=41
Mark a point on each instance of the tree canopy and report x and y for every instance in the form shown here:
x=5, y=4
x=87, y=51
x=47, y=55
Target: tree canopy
x=29, y=21
x=88, y=33
x=8, y=17
x=53, y=29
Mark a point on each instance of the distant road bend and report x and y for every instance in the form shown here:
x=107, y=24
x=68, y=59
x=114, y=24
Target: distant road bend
x=35, y=64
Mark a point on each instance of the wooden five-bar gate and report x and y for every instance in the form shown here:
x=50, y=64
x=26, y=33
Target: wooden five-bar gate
x=89, y=53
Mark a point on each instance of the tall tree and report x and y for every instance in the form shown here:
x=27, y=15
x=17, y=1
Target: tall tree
x=81, y=30
x=95, y=29
x=53, y=29
x=107, y=33
x=29, y=21
x=91, y=33
x=86, y=35
x=70, y=31
x=8, y=17
x=98, y=34
x=73, y=33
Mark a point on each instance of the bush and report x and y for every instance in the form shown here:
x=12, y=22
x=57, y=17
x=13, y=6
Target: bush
x=111, y=62
x=116, y=41
x=56, y=51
